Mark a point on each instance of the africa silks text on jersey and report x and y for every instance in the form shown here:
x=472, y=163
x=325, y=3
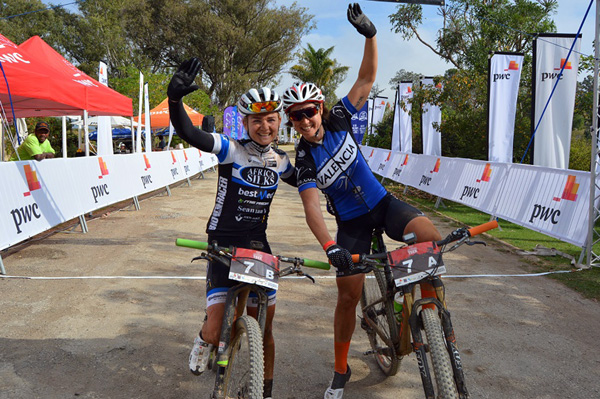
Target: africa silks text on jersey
x=248, y=178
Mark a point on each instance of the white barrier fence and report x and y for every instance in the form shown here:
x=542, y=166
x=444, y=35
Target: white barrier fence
x=36, y=196
x=552, y=201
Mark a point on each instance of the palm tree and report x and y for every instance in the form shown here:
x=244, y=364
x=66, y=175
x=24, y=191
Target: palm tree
x=317, y=67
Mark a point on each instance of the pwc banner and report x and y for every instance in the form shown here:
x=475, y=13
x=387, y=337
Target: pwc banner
x=432, y=114
x=378, y=104
x=402, y=128
x=503, y=89
x=553, y=112
x=359, y=123
x=549, y=200
x=37, y=196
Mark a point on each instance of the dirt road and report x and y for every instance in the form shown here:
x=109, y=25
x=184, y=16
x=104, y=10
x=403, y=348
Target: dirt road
x=520, y=337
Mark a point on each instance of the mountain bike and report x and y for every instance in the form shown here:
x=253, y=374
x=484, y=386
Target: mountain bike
x=398, y=321
x=239, y=357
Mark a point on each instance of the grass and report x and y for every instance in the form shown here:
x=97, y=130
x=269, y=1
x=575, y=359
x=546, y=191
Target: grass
x=586, y=282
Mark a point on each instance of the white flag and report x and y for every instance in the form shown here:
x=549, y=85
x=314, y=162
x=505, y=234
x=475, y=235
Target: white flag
x=406, y=95
x=378, y=110
x=432, y=138
x=147, y=127
x=138, y=138
x=503, y=85
x=104, y=129
x=552, y=140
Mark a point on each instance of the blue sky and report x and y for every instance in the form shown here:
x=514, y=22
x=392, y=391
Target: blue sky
x=333, y=29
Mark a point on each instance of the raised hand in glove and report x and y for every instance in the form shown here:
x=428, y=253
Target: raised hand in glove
x=182, y=83
x=363, y=25
x=339, y=257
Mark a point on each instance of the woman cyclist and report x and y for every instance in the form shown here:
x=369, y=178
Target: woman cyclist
x=249, y=172
x=329, y=159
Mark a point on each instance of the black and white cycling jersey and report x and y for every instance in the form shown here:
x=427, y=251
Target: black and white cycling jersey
x=248, y=178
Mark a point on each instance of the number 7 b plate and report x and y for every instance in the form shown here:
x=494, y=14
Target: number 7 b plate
x=254, y=267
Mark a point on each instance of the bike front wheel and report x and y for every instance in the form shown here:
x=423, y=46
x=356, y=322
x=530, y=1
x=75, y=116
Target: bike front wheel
x=438, y=351
x=245, y=368
x=384, y=331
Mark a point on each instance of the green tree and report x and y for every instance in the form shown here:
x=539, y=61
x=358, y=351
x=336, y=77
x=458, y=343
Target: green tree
x=471, y=30
x=318, y=67
x=26, y=18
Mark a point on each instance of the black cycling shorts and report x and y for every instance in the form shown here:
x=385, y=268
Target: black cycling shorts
x=390, y=213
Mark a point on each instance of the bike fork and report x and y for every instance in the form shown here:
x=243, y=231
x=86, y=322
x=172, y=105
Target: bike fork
x=420, y=352
x=455, y=360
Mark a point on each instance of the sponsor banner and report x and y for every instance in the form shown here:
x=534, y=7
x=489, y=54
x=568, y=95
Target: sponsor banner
x=380, y=164
x=432, y=114
x=104, y=129
x=396, y=122
x=393, y=168
x=503, y=89
x=406, y=95
x=428, y=173
x=378, y=105
x=552, y=140
x=551, y=201
x=476, y=183
x=35, y=196
x=359, y=123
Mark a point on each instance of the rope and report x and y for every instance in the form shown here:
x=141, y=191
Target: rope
x=287, y=277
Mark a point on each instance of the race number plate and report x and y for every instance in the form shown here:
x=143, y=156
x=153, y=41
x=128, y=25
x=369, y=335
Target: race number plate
x=254, y=267
x=415, y=262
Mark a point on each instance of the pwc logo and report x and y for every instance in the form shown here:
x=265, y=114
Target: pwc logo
x=562, y=63
x=173, y=158
x=436, y=167
x=487, y=172
x=382, y=164
x=405, y=160
x=32, y=180
x=557, y=75
x=473, y=192
x=185, y=156
x=544, y=214
x=28, y=212
x=147, y=162
x=146, y=179
x=100, y=190
x=570, y=191
x=512, y=66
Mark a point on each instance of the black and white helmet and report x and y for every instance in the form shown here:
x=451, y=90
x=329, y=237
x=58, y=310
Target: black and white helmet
x=259, y=101
x=302, y=93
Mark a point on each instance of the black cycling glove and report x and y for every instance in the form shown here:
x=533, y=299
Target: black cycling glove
x=339, y=257
x=182, y=83
x=363, y=25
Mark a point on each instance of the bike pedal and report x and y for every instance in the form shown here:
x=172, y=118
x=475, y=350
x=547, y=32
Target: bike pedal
x=369, y=352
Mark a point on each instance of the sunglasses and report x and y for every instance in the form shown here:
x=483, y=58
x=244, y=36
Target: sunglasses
x=265, y=106
x=307, y=113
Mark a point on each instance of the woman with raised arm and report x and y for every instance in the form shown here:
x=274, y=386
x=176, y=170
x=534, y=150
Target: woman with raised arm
x=328, y=159
x=249, y=173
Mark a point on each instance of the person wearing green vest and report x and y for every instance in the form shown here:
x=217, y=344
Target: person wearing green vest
x=36, y=146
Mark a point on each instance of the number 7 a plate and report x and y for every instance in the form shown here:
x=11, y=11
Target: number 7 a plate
x=415, y=262
x=255, y=267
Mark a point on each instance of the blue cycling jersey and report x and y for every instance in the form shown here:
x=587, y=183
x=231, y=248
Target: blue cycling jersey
x=337, y=168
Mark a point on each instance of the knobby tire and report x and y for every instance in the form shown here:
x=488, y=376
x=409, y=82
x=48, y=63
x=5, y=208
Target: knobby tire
x=442, y=368
x=245, y=370
x=383, y=315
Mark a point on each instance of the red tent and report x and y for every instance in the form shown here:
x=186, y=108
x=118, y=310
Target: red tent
x=33, y=90
x=99, y=99
x=159, y=115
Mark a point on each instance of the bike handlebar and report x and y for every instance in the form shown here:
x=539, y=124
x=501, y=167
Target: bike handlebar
x=482, y=228
x=183, y=242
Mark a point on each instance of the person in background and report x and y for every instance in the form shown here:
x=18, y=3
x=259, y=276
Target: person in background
x=249, y=170
x=162, y=144
x=328, y=159
x=36, y=146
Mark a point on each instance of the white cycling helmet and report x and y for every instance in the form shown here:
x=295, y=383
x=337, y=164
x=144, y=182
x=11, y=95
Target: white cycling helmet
x=301, y=93
x=259, y=101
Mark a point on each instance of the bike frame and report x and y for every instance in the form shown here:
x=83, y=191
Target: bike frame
x=432, y=295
